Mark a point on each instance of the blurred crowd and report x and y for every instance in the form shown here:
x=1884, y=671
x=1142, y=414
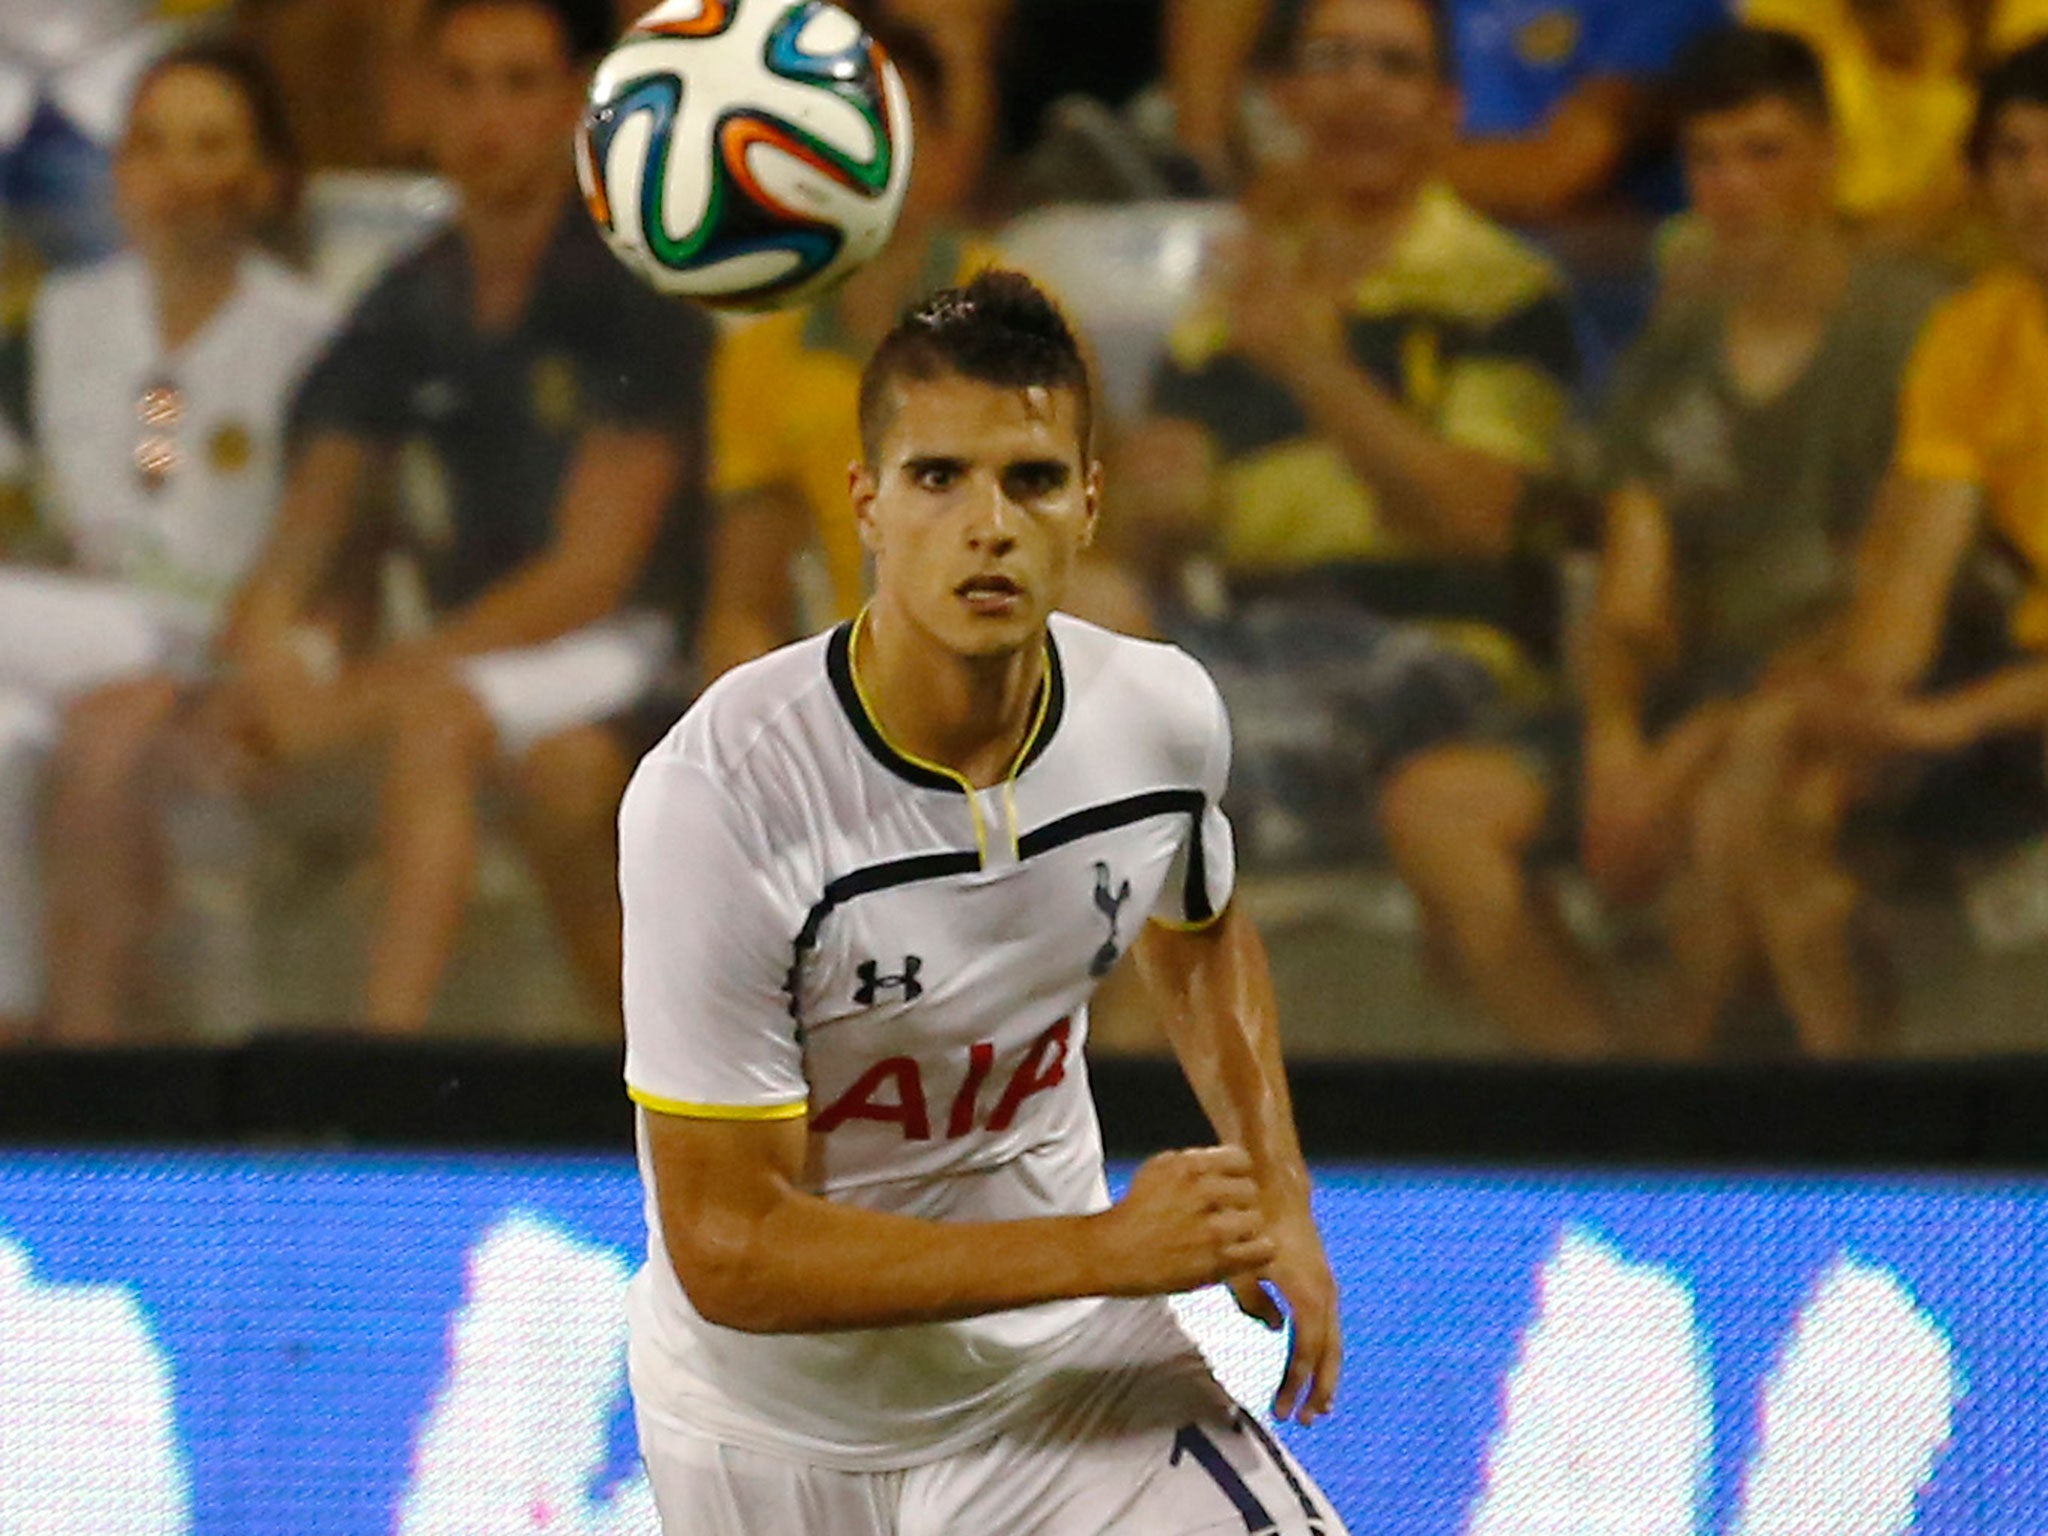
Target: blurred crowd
x=1599, y=446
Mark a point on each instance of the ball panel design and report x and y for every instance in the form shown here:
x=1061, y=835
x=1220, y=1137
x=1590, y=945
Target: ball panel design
x=745, y=152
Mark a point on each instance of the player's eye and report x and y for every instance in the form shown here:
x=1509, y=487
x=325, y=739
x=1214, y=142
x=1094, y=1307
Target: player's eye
x=1029, y=482
x=935, y=476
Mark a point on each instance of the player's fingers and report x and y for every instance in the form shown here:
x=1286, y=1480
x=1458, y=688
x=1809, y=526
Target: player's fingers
x=1255, y=1301
x=1299, y=1365
x=1329, y=1371
x=1244, y=1255
x=1229, y=1192
x=1228, y=1159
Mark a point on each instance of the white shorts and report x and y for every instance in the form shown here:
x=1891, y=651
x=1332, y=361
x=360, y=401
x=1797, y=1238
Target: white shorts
x=62, y=635
x=581, y=678
x=1152, y=1453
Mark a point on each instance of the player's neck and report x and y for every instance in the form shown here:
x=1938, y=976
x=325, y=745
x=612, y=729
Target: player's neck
x=968, y=714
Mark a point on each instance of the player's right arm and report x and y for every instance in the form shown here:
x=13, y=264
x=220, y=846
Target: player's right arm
x=756, y=1252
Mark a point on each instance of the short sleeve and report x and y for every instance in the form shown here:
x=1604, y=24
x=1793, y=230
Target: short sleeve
x=356, y=385
x=709, y=1034
x=1942, y=405
x=1204, y=873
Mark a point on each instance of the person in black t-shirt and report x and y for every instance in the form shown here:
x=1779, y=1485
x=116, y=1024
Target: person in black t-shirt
x=548, y=410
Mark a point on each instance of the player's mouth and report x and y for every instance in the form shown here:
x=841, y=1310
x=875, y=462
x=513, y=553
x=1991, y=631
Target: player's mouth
x=990, y=595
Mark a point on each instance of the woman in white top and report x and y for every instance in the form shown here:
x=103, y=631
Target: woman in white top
x=161, y=385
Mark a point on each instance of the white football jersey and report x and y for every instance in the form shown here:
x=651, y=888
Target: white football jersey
x=818, y=925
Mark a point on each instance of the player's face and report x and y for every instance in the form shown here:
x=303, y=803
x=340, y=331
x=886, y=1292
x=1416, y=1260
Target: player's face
x=1762, y=176
x=506, y=99
x=977, y=506
x=190, y=174
x=1367, y=92
x=2016, y=174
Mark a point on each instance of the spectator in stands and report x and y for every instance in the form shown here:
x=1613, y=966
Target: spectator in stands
x=159, y=381
x=1741, y=450
x=1972, y=460
x=1559, y=107
x=1342, y=433
x=555, y=405
x=1900, y=77
x=1556, y=93
x=66, y=73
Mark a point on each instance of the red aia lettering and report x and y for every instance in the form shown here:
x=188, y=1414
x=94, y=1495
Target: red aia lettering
x=980, y=1062
x=1044, y=1066
x=860, y=1103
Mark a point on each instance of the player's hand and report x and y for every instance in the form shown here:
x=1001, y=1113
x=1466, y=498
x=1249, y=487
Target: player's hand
x=1300, y=1274
x=1188, y=1220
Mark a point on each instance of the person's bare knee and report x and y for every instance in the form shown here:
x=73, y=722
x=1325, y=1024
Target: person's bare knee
x=107, y=735
x=1459, y=822
x=1455, y=807
x=568, y=786
x=439, y=723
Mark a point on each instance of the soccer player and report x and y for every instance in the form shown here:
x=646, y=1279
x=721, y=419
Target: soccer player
x=870, y=881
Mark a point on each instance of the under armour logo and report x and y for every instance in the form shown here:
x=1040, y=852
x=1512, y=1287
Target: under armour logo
x=873, y=983
x=1110, y=904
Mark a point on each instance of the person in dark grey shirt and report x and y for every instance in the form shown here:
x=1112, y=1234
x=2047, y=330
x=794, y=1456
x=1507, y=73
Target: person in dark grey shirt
x=545, y=409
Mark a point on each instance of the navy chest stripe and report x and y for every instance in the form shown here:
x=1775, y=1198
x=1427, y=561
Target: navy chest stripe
x=1102, y=818
x=1054, y=834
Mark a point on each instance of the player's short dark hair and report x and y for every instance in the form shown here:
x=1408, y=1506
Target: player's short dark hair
x=1729, y=68
x=586, y=25
x=2020, y=79
x=999, y=328
x=1286, y=20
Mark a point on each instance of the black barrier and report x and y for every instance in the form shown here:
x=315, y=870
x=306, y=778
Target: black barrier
x=347, y=1091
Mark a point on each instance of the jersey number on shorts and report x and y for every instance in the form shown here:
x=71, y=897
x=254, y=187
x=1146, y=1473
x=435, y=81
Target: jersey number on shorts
x=1193, y=1442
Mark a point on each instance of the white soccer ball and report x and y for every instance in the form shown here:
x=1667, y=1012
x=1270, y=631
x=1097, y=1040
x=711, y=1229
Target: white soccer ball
x=745, y=153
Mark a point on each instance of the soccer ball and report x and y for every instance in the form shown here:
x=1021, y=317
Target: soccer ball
x=745, y=153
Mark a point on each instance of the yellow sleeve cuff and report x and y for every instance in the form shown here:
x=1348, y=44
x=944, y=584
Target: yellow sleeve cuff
x=684, y=1110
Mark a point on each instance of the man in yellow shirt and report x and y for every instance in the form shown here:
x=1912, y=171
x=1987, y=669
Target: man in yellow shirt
x=1973, y=451
x=1973, y=438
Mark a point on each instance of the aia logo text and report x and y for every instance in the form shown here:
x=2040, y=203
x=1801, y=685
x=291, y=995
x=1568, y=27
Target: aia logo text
x=892, y=1091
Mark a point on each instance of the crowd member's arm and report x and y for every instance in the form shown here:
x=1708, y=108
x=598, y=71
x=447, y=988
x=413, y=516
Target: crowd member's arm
x=1632, y=786
x=1216, y=1004
x=1570, y=159
x=1905, y=568
x=750, y=607
x=1209, y=45
x=313, y=520
x=620, y=483
x=2013, y=699
x=1451, y=492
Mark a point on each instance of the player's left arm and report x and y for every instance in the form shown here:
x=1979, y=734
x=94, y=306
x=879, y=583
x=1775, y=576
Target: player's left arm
x=1214, y=993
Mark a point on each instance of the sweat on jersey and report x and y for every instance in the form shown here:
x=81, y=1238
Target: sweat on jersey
x=817, y=925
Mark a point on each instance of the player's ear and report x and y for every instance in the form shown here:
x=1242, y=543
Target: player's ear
x=1091, y=498
x=863, y=485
